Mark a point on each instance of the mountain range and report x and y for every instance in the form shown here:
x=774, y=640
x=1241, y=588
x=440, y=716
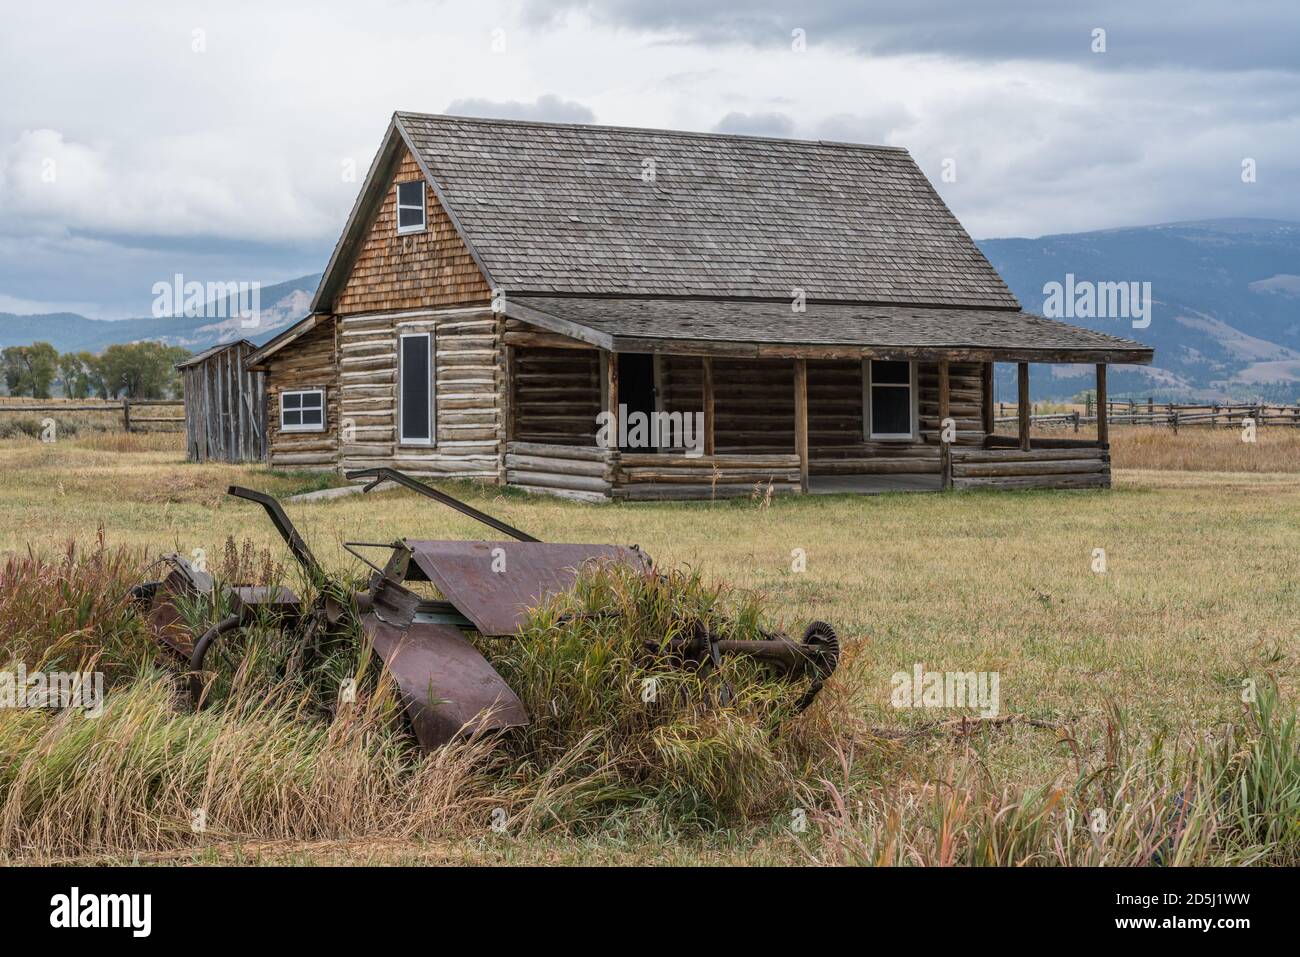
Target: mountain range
x=280, y=305
x=1224, y=313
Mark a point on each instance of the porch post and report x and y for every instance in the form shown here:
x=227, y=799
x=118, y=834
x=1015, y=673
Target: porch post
x=945, y=404
x=1022, y=407
x=990, y=426
x=1103, y=427
x=801, y=419
x=611, y=396
x=508, y=412
x=708, y=406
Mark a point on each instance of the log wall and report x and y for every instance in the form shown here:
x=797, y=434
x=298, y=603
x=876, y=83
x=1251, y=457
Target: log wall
x=754, y=411
x=584, y=473
x=557, y=394
x=658, y=476
x=469, y=393
x=1078, y=466
x=309, y=363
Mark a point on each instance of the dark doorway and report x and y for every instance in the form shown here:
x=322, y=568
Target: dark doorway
x=636, y=387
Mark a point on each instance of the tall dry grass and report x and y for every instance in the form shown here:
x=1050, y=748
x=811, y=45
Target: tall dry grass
x=1229, y=798
x=277, y=757
x=1205, y=449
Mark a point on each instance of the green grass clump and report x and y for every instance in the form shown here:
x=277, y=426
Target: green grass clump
x=616, y=727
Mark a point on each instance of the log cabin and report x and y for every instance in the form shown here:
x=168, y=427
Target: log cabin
x=502, y=289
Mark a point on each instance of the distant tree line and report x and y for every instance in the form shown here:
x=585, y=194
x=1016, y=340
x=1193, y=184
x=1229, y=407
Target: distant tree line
x=136, y=370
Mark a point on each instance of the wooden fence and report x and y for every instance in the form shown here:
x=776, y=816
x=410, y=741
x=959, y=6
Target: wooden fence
x=127, y=408
x=1168, y=414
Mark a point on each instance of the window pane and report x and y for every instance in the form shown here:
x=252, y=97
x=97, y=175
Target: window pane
x=896, y=372
x=311, y=417
x=311, y=400
x=410, y=194
x=891, y=410
x=416, y=388
x=292, y=418
x=293, y=400
x=408, y=216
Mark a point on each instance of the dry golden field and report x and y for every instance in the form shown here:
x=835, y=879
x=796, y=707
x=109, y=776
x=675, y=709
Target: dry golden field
x=1129, y=669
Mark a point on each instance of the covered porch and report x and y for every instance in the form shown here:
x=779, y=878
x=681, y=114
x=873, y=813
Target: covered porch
x=778, y=418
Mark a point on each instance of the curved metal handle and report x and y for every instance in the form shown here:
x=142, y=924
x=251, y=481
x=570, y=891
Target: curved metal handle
x=285, y=527
x=401, y=478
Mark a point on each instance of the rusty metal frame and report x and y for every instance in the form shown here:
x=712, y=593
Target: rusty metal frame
x=385, y=474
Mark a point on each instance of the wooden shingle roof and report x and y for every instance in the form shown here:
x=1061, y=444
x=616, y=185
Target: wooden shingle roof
x=566, y=208
x=573, y=233
x=767, y=327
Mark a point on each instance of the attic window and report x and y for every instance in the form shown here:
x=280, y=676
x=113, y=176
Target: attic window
x=410, y=207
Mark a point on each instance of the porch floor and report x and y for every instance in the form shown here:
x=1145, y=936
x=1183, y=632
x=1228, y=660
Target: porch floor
x=872, y=484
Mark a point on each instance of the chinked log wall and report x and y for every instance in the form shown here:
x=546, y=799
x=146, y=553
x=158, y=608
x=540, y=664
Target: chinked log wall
x=587, y=473
x=309, y=364
x=1076, y=466
x=469, y=386
x=754, y=411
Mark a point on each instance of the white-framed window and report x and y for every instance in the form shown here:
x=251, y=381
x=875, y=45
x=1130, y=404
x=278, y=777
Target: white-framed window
x=410, y=207
x=302, y=410
x=889, y=397
x=415, y=389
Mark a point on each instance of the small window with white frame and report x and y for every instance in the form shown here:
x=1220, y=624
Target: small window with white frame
x=302, y=410
x=410, y=207
x=889, y=392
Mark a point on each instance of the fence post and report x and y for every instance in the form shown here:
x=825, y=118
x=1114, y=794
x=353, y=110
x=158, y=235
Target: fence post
x=1076, y=420
x=126, y=414
x=1174, y=421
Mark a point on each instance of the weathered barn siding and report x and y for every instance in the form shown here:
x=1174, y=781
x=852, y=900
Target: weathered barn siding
x=225, y=406
x=310, y=364
x=393, y=273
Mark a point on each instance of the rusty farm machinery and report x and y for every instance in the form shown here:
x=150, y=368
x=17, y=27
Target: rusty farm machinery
x=447, y=688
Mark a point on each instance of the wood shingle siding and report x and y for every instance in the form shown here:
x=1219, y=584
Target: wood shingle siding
x=393, y=273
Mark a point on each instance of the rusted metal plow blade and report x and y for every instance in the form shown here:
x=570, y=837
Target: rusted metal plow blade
x=494, y=584
x=446, y=686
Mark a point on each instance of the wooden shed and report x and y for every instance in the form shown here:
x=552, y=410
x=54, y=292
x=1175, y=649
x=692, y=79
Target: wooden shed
x=808, y=316
x=225, y=405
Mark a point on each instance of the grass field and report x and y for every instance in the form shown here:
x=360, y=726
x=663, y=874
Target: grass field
x=1136, y=672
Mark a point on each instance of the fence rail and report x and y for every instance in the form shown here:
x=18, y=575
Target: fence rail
x=1170, y=414
x=123, y=407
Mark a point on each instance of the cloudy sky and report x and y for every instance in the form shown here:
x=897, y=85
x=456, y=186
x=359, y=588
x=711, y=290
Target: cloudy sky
x=142, y=139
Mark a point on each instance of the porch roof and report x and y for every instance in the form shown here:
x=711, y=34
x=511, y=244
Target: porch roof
x=823, y=330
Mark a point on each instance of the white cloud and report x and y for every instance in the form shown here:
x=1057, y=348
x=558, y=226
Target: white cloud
x=233, y=157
